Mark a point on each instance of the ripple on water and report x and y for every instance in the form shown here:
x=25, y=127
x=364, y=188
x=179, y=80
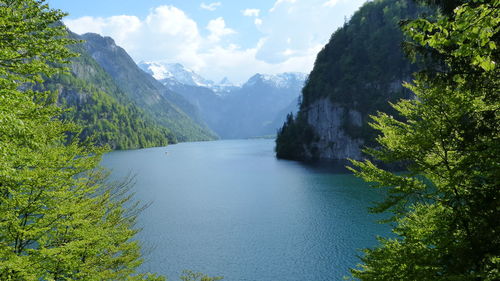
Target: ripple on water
x=230, y=208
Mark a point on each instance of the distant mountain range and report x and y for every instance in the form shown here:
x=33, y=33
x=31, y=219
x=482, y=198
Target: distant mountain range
x=176, y=72
x=255, y=108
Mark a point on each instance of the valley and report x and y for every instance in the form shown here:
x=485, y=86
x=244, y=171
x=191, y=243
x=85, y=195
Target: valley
x=283, y=140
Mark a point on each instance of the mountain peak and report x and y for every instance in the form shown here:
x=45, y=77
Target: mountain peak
x=99, y=39
x=225, y=82
x=175, y=71
x=281, y=80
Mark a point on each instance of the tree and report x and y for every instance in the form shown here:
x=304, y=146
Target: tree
x=445, y=205
x=292, y=136
x=59, y=219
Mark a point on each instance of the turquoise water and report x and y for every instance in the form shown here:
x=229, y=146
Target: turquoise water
x=231, y=208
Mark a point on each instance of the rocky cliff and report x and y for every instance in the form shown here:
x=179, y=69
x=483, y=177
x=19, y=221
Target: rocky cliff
x=356, y=74
x=328, y=119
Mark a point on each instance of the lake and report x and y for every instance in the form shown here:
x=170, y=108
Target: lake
x=230, y=208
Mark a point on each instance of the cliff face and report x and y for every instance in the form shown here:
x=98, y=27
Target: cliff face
x=356, y=74
x=328, y=120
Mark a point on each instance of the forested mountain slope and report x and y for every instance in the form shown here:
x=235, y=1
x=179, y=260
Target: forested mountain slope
x=168, y=108
x=103, y=110
x=357, y=73
x=118, y=104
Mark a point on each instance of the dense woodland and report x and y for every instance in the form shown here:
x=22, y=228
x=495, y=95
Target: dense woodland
x=101, y=108
x=103, y=118
x=168, y=109
x=113, y=112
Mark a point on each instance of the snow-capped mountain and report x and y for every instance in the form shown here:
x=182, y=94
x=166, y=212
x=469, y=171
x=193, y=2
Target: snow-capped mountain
x=256, y=108
x=225, y=82
x=175, y=71
x=282, y=80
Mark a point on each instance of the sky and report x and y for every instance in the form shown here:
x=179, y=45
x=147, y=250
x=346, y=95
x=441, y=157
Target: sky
x=217, y=39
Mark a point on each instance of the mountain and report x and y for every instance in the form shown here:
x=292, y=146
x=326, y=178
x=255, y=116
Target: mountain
x=169, y=109
x=357, y=73
x=230, y=110
x=176, y=72
x=252, y=108
x=137, y=114
x=94, y=101
x=287, y=80
x=173, y=74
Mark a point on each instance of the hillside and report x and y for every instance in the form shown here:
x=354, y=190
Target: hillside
x=168, y=108
x=357, y=73
x=122, y=115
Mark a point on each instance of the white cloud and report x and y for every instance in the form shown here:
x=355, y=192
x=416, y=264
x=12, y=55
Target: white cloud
x=218, y=29
x=290, y=38
x=229, y=61
x=279, y=2
x=332, y=3
x=120, y=26
x=167, y=32
x=210, y=7
x=300, y=26
x=251, y=12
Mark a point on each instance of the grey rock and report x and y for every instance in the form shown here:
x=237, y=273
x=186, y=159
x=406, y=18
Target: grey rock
x=327, y=119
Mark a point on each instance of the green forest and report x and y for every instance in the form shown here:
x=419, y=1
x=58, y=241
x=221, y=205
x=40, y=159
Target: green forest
x=103, y=118
x=107, y=66
x=106, y=112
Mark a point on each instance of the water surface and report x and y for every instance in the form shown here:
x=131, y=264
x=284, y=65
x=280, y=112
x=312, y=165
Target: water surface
x=231, y=208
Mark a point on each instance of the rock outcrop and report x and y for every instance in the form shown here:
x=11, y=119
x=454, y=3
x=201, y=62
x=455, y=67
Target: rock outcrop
x=328, y=120
x=356, y=75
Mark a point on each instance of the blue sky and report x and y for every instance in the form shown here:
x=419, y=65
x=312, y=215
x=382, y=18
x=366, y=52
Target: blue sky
x=221, y=38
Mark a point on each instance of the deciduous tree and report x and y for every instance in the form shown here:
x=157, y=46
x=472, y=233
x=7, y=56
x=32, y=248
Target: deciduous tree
x=446, y=205
x=59, y=220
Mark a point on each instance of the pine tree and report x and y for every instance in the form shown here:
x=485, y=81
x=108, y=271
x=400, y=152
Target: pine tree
x=446, y=205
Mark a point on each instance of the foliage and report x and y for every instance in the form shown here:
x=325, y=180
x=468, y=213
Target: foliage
x=446, y=207
x=104, y=118
x=362, y=67
x=169, y=109
x=447, y=6
x=105, y=112
x=59, y=219
x=291, y=136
